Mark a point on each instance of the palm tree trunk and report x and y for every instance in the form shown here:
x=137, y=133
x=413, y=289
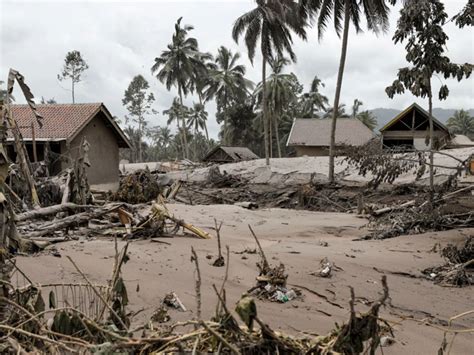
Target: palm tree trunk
x=205, y=123
x=225, y=133
x=277, y=135
x=139, y=140
x=345, y=36
x=430, y=110
x=270, y=132
x=264, y=110
x=183, y=126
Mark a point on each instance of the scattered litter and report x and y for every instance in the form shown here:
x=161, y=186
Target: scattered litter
x=172, y=300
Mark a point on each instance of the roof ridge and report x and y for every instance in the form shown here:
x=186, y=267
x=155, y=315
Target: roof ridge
x=62, y=104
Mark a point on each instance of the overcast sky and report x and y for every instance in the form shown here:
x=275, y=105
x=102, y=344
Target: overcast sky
x=120, y=39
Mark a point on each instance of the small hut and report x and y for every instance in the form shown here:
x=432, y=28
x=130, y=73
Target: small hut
x=221, y=155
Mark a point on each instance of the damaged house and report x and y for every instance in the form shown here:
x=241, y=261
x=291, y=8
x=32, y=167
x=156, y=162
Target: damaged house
x=64, y=128
x=410, y=130
x=311, y=136
x=221, y=155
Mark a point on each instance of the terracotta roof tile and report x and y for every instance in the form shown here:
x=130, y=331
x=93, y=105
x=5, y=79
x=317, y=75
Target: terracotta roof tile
x=60, y=121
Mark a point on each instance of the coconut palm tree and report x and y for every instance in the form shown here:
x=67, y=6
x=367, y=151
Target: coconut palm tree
x=177, y=66
x=367, y=118
x=356, y=108
x=349, y=11
x=197, y=119
x=462, y=123
x=341, y=112
x=279, y=92
x=201, y=79
x=271, y=22
x=227, y=83
x=312, y=102
x=176, y=112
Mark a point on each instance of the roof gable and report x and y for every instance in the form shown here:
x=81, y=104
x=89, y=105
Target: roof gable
x=317, y=132
x=413, y=117
x=233, y=153
x=62, y=121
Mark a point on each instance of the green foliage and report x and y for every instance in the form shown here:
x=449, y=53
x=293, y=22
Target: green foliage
x=138, y=100
x=466, y=16
x=73, y=68
x=227, y=84
x=272, y=21
x=177, y=65
x=462, y=123
x=368, y=118
x=376, y=13
x=180, y=65
x=312, y=102
x=341, y=112
x=421, y=26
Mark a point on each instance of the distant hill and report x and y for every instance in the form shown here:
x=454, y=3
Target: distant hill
x=384, y=115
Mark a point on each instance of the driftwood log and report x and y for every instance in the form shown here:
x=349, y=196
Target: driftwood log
x=50, y=210
x=74, y=220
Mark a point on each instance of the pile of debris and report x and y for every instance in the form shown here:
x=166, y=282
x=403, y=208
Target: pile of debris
x=140, y=186
x=459, y=268
x=422, y=215
x=271, y=281
x=217, y=179
x=69, y=324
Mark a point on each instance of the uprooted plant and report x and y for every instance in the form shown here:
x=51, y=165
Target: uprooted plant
x=459, y=267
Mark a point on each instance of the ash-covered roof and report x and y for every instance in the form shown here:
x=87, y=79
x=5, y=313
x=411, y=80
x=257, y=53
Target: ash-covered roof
x=234, y=153
x=317, y=132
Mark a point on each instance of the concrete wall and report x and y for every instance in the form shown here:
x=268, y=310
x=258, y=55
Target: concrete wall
x=103, y=153
x=311, y=151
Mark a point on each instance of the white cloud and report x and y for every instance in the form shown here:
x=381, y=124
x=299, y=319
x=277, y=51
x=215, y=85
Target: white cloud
x=120, y=39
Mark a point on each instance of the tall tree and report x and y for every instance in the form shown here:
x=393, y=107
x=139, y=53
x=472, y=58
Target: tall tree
x=73, y=68
x=376, y=14
x=421, y=26
x=137, y=144
x=279, y=92
x=175, y=112
x=227, y=85
x=177, y=66
x=162, y=139
x=197, y=119
x=271, y=22
x=341, y=112
x=462, y=123
x=138, y=100
x=356, y=108
x=313, y=102
x=201, y=80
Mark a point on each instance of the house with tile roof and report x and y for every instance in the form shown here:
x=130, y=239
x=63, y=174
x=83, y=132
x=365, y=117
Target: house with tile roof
x=311, y=136
x=64, y=127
